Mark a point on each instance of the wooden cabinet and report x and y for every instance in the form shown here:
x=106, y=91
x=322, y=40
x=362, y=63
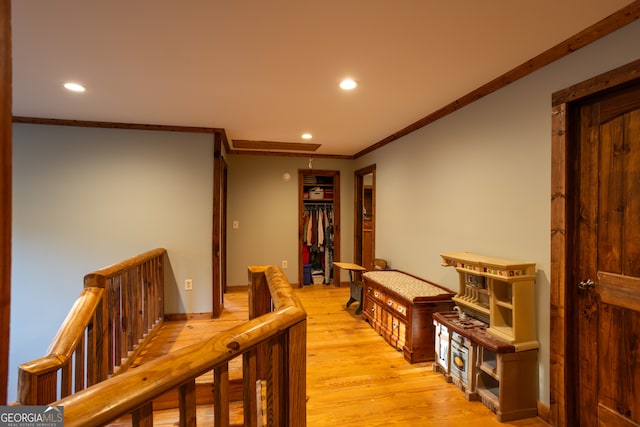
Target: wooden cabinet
x=500, y=292
x=400, y=307
x=318, y=225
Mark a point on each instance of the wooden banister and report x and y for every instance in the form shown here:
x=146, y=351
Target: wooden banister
x=38, y=379
x=272, y=346
x=119, y=307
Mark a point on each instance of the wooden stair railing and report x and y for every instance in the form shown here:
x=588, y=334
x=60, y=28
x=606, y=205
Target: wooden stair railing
x=120, y=307
x=272, y=344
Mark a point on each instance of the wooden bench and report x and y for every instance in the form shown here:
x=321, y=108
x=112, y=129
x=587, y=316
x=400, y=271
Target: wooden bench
x=400, y=307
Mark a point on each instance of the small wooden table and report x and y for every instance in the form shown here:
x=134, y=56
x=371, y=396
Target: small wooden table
x=355, y=287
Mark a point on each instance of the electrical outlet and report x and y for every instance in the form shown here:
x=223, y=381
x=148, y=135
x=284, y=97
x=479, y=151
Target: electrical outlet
x=284, y=264
x=188, y=285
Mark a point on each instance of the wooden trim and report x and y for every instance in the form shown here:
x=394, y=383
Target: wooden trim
x=216, y=264
x=366, y=170
x=619, y=290
x=224, y=179
x=562, y=351
x=236, y=288
x=274, y=145
x=357, y=211
x=606, y=417
x=112, y=125
x=117, y=125
x=357, y=217
x=613, y=22
x=559, y=227
x=292, y=154
x=5, y=198
x=619, y=76
x=543, y=412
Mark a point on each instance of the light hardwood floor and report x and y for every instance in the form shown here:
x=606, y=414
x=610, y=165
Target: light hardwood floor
x=354, y=378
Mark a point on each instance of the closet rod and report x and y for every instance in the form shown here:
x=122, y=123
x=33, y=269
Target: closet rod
x=318, y=205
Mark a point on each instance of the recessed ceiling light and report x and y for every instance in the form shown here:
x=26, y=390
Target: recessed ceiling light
x=348, y=84
x=307, y=136
x=75, y=87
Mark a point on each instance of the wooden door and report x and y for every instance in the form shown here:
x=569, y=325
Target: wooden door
x=606, y=268
x=5, y=198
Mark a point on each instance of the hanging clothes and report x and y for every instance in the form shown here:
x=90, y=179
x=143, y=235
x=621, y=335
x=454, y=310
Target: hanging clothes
x=318, y=237
x=328, y=262
x=320, y=215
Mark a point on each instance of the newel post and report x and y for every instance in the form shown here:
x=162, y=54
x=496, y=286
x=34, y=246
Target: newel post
x=282, y=362
x=259, y=304
x=98, y=344
x=259, y=295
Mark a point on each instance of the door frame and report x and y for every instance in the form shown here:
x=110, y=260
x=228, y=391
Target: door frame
x=219, y=233
x=563, y=314
x=223, y=225
x=357, y=211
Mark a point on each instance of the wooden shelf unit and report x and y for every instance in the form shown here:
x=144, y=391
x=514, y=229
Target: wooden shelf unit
x=504, y=352
x=327, y=184
x=493, y=372
x=321, y=181
x=507, y=383
x=503, y=295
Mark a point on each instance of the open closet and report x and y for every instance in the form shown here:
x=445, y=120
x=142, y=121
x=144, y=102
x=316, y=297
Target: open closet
x=318, y=226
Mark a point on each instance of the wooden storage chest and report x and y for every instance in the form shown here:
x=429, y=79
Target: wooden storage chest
x=400, y=307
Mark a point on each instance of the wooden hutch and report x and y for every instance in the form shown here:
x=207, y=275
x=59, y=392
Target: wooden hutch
x=489, y=347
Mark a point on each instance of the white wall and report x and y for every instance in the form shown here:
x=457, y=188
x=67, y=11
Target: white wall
x=479, y=179
x=266, y=207
x=86, y=198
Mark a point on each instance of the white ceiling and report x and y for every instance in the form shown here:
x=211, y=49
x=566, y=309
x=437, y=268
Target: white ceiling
x=269, y=70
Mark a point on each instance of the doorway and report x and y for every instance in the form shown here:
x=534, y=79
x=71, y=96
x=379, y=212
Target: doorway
x=318, y=226
x=365, y=216
x=595, y=254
